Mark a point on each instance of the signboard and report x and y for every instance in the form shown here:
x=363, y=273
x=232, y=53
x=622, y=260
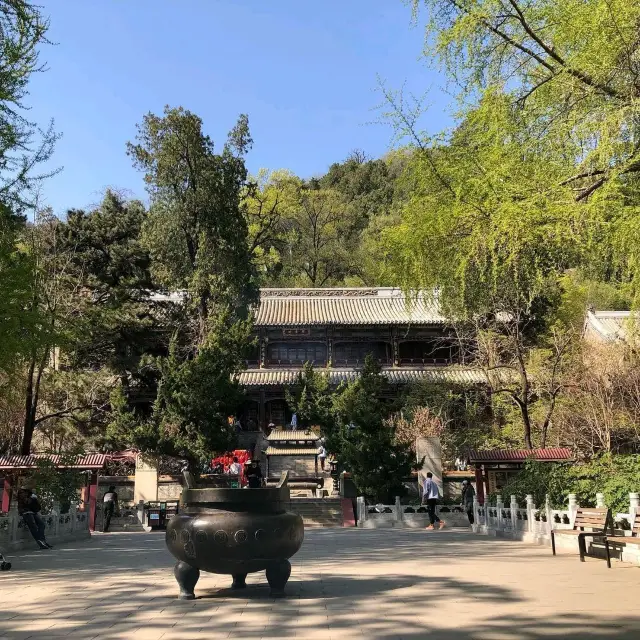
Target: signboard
x=295, y=332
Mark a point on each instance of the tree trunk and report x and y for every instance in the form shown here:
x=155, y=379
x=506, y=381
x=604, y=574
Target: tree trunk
x=31, y=401
x=29, y=422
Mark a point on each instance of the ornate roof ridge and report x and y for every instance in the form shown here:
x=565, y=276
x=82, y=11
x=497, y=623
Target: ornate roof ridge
x=330, y=292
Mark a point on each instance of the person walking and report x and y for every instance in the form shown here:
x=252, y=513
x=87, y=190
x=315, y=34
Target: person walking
x=29, y=508
x=294, y=422
x=468, y=494
x=430, y=495
x=109, y=504
x=322, y=455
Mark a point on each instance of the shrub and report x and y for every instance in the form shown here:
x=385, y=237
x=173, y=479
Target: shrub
x=613, y=475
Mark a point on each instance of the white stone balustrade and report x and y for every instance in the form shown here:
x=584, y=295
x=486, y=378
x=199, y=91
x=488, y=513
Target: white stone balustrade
x=397, y=515
x=532, y=524
x=15, y=535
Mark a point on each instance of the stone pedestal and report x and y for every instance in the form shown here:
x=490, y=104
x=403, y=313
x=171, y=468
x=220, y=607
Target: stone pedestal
x=431, y=449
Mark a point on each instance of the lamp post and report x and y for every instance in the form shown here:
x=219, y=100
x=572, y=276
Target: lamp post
x=335, y=476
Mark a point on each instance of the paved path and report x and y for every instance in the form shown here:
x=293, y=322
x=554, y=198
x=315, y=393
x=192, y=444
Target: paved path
x=346, y=583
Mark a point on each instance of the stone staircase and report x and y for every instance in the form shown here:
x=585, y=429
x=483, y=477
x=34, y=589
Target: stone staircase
x=317, y=512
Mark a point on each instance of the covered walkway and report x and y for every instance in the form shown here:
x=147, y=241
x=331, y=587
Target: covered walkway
x=346, y=583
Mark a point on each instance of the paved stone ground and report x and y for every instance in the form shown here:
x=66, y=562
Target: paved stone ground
x=346, y=583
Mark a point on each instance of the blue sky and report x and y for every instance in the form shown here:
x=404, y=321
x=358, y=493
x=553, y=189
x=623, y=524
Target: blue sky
x=305, y=73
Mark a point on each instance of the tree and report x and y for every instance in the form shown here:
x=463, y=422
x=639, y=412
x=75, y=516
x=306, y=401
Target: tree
x=320, y=239
x=577, y=94
x=271, y=198
x=196, y=395
x=23, y=29
x=196, y=230
x=364, y=442
x=197, y=236
x=120, y=322
x=602, y=412
x=57, y=300
x=311, y=399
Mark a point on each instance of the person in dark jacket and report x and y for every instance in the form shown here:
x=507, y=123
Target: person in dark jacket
x=468, y=494
x=253, y=474
x=110, y=504
x=29, y=508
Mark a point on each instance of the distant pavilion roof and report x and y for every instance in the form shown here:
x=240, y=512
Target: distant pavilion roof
x=344, y=306
x=610, y=326
x=299, y=435
x=89, y=462
x=559, y=454
x=291, y=451
x=273, y=377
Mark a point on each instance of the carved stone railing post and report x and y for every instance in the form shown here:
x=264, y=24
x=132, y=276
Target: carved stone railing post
x=14, y=519
x=361, y=509
x=74, y=519
x=548, y=511
x=398, y=510
x=56, y=526
x=514, y=514
x=573, y=508
x=499, y=507
x=531, y=509
x=634, y=506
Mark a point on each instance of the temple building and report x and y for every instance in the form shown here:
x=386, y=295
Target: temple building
x=335, y=329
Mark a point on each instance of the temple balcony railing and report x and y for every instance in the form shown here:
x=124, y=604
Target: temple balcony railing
x=415, y=362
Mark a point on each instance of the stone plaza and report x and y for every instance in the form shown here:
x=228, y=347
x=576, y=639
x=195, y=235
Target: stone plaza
x=346, y=583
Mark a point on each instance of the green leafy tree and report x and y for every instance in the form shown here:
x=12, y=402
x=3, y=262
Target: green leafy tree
x=364, y=442
x=196, y=229
x=319, y=237
x=198, y=239
x=311, y=399
x=271, y=198
x=56, y=483
x=113, y=268
x=23, y=146
x=196, y=395
x=575, y=95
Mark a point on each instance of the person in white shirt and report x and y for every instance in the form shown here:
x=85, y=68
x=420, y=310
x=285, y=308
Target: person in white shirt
x=235, y=468
x=322, y=455
x=430, y=495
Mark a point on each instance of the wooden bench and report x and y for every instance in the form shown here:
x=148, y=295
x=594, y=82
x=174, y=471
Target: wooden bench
x=634, y=538
x=597, y=520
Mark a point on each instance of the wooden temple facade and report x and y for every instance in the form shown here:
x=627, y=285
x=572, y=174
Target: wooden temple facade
x=334, y=329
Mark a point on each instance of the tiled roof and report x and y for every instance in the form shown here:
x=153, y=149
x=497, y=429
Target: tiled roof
x=609, y=326
x=520, y=455
x=292, y=451
x=344, y=306
x=280, y=435
x=357, y=306
x=273, y=377
x=92, y=461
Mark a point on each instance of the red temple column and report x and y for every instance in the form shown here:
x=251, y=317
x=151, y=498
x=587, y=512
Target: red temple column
x=6, y=495
x=93, y=497
x=479, y=484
